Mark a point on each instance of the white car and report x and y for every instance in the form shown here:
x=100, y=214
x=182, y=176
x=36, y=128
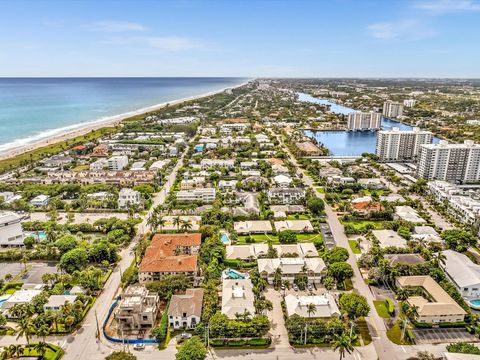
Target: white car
x=138, y=346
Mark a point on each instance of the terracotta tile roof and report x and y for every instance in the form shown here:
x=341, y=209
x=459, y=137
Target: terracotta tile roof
x=160, y=254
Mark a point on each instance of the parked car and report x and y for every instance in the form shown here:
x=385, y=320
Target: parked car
x=185, y=336
x=295, y=287
x=138, y=346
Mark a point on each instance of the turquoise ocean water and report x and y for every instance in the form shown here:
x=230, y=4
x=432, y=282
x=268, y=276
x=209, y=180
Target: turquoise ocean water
x=32, y=109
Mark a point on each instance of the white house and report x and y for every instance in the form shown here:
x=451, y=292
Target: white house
x=282, y=180
x=324, y=306
x=40, y=200
x=237, y=297
x=185, y=311
x=463, y=273
x=11, y=233
x=55, y=302
x=128, y=196
x=99, y=165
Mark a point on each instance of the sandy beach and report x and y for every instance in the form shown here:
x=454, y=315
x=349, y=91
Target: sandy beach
x=110, y=121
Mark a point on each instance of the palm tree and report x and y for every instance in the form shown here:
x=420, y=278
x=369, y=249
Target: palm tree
x=311, y=309
x=402, y=294
x=344, y=344
x=152, y=221
x=186, y=225
x=177, y=222
x=24, y=328
x=43, y=330
x=41, y=348
x=161, y=223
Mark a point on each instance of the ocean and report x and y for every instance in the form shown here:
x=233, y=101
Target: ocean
x=32, y=109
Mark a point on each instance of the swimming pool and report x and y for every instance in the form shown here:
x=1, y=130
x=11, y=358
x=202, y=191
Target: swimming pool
x=40, y=235
x=225, y=239
x=474, y=303
x=232, y=274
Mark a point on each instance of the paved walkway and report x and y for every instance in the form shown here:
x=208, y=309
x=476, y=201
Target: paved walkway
x=278, y=331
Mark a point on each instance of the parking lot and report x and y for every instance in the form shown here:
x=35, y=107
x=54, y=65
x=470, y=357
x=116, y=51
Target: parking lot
x=327, y=236
x=34, y=273
x=434, y=336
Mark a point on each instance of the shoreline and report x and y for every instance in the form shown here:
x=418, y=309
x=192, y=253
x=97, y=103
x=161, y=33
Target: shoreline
x=109, y=121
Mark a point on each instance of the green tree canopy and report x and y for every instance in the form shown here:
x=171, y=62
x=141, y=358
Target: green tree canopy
x=193, y=349
x=355, y=305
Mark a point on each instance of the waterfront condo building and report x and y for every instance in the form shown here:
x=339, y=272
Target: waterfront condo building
x=392, y=109
x=456, y=163
x=364, y=121
x=401, y=145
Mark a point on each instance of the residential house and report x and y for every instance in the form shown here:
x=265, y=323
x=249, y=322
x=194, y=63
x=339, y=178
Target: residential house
x=200, y=194
x=99, y=165
x=55, y=302
x=128, y=197
x=407, y=213
x=324, y=306
x=464, y=273
x=259, y=250
x=185, y=311
x=282, y=180
x=237, y=297
x=387, y=238
x=40, y=200
x=253, y=227
x=298, y=226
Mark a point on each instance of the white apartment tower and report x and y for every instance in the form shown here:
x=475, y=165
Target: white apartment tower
x=456, y=163
x=401, y=145
x=392, y=109
x=364, y=121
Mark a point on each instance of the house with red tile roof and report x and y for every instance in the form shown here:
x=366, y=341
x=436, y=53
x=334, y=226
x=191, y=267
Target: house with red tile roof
x=170, y=254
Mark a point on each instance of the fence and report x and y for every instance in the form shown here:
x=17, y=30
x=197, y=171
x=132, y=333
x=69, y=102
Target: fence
x=123, y=341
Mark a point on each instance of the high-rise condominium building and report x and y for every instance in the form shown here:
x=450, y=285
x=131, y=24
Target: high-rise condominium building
x=409, y=102
x=456, y=163
x=401, y=145
x=364, y=121
x=392, y=109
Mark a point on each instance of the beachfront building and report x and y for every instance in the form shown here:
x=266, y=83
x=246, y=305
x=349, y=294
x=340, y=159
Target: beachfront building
x=401, y=145
x=11, y=233
x=455, y=163
x=364, y=121
x=185, y=311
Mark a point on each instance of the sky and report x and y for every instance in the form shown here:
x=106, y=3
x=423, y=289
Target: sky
x=249, y=38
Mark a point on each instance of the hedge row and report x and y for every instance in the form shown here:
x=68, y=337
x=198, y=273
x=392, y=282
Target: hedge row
x=240, y=343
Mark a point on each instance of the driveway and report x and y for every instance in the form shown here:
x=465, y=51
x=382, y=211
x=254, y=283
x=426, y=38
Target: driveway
x=278, y=331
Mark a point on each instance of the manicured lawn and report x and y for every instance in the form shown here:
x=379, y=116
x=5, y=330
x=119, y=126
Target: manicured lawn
x=53, y=352
x=381, y=309
x=354, y=247
x=274, y=238
x=320, y=190
x=81, y=168
x=360, y=224
x=395, y=334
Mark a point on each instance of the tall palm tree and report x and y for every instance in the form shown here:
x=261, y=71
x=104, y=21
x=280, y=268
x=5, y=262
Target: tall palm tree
x=41, y=348
x=24, y=328
x=311, y=309
x=161, y=223
x=177, y=222
x=344, y=344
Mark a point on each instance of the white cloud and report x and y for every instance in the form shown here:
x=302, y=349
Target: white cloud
x=406, y=30
x=448, y=6
x=115, y=26
x=162, y=43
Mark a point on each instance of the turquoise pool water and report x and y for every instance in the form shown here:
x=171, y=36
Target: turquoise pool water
x=234, y=274
x=224, y=238
x=475, y=302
